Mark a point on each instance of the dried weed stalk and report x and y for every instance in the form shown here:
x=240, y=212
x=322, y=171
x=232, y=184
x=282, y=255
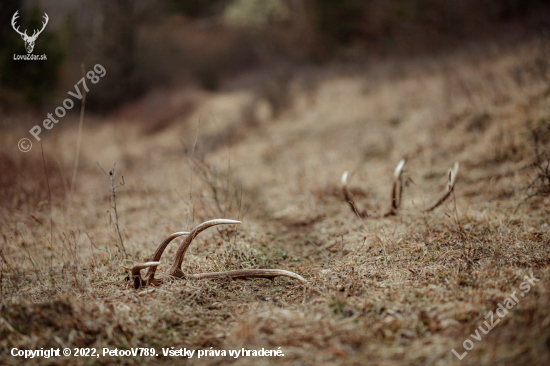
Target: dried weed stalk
x=113, y=188
x=209, y=175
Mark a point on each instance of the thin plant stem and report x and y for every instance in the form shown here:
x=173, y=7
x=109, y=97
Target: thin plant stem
x=79, y=138
x=191, y=179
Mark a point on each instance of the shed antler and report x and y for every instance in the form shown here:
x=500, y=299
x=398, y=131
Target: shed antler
x=397, y=187
x=175, y=270
x=150, y=276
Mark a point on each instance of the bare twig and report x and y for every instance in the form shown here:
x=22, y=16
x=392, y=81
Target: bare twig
x=49, y=194
x=92, y=243
x=209, y=175
x=111, y=176
x=191, y=175
x=79, y=138
x=5, y=261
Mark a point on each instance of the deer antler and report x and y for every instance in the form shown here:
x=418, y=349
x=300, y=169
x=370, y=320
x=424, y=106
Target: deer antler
x=136, y=275
x=175, y=270
x=150, y=276
x=395, y=194
x=15, y=16
x=247, y=273
x=35, y=35
x=450, y=186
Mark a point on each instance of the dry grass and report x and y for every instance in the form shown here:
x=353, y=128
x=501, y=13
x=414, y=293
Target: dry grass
x=404, y=289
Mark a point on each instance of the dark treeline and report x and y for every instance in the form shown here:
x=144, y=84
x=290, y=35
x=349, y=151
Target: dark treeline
x=173, y=42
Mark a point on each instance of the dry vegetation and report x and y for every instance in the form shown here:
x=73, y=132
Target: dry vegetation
x=403, y=289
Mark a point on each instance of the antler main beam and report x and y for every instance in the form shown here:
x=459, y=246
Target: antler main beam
x=248, y=273
x=175, y=270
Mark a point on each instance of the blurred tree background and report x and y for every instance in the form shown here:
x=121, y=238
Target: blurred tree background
x=148, y=44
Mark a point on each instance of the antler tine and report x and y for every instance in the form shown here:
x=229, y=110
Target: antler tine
x=43, y=24
x=13, y=19
x=454, y=172
x=160, y=250
x=452, y=178
x=345, y=178
x=136, y=275
x=175, y=270
x=395, y=202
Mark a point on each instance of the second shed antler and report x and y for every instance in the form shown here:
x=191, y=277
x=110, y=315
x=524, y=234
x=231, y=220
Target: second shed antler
x=175, y=270
x=397, y=189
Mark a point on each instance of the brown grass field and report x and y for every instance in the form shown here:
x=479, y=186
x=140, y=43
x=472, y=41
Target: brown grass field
x=400, y=290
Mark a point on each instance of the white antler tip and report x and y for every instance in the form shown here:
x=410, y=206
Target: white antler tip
x=150, y=264
x=181, y=233
x=399, y=168
x=452, y=174
x=345, y=178
x=139, y=267
x=223, y=221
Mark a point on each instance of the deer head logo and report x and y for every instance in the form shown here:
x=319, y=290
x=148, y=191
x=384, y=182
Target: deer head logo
x=29, y=41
